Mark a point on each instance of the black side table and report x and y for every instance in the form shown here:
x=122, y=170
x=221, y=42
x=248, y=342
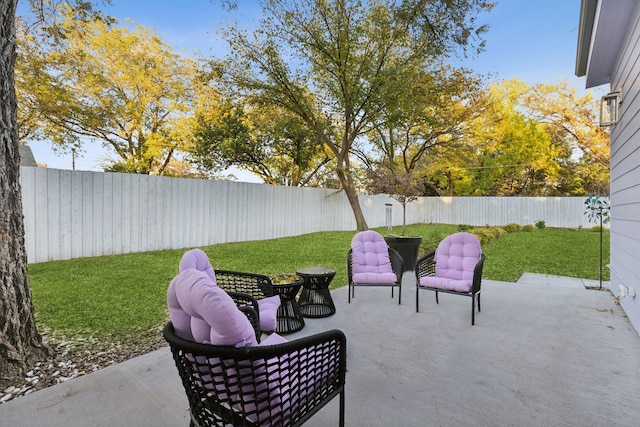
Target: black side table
x=315, y=299
x=289, y=316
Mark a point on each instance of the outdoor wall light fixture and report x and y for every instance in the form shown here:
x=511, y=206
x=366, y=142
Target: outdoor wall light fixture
x=609, y=108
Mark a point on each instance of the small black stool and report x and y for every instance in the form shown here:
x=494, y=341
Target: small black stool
x=315, y=299
x=289, y=316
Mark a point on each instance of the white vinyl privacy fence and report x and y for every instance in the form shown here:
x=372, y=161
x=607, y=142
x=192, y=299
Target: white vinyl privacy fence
x=73, y=214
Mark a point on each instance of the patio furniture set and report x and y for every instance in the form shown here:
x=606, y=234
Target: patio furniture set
x=225, y=328
x=455, y=267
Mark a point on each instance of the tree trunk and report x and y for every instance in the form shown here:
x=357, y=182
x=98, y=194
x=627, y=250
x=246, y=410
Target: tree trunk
x=20, y=343
x=352, y=196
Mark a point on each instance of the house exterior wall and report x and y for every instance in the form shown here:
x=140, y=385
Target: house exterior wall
x=26, y=156
x=625, y=173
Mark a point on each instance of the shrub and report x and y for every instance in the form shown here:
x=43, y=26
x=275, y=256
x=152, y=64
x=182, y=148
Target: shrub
x=464, y=227
x=487, y=234
x=511, y=228
x=528, y=227
x=540, y=224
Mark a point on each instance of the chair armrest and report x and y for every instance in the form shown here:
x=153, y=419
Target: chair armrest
x=397, y=264
x=477, y=274
x=426, y=265
x=332, y=340
x=349, y=265
x=249, y=307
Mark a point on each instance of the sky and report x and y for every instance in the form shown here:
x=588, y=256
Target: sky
x=534, y=41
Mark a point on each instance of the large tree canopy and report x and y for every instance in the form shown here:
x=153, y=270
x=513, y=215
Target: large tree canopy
x=531, y=140
x=91, y=79
x=337, y=66
x=434, y=117
x=571, y=122
x=514, y=153
x=267, y=141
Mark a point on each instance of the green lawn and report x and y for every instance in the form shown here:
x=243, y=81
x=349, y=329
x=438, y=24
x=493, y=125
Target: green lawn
x=561, y=252
x=121, y=299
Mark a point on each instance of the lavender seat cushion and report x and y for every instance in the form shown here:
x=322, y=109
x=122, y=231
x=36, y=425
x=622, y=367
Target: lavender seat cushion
x=268, y=308
x=456, y=258
x=197, y=259
x=370, y=259
x=202, y=312
x=446, y=284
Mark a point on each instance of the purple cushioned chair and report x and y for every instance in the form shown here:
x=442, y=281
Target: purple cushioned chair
x=455, y=267
x=371, y=262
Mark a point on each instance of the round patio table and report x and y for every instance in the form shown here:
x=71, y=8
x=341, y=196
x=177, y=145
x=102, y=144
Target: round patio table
x=289, y=316
x=315, y=299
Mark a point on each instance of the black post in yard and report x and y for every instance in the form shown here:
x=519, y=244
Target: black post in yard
x=600, y=248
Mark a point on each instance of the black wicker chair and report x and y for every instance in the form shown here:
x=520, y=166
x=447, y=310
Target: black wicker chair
x=426, y=267
x=257, y=285
x=397, y=265
x=276, y=385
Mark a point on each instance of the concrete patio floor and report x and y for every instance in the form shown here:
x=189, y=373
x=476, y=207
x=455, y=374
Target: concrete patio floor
x=544, y=352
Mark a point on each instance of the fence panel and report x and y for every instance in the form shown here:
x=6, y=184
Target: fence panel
x=71, y=214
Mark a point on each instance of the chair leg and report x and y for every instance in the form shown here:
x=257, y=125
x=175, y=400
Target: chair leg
x=479, y=309
x=399, y=294
x=437, y=302
x=473, y=310
x=349, y=293
x=417, y=298
x=342, y=409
